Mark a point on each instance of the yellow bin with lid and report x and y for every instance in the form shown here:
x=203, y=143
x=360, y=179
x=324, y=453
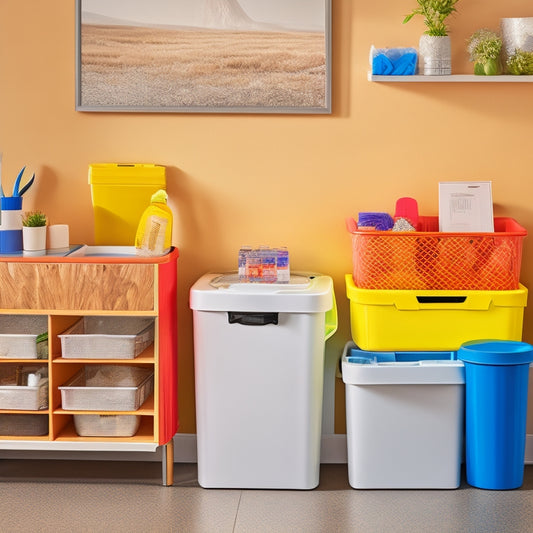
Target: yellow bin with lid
x=120, y=194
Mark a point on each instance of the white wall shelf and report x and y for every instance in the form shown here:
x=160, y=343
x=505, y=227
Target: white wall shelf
x=453, y=78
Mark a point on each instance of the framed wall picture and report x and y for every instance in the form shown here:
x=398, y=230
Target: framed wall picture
x=203, y=56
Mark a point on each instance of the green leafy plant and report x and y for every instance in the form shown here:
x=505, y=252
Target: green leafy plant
x=435, y=13
x=34, y=219
x=520, y=63
x=484, y=47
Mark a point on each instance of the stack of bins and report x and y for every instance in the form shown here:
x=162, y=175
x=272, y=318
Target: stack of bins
x=415, y=298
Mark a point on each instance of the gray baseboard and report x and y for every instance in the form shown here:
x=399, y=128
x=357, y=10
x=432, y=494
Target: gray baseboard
x=333, y=452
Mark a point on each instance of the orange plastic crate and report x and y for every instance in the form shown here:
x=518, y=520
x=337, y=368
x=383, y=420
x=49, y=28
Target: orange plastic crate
x=433, y=260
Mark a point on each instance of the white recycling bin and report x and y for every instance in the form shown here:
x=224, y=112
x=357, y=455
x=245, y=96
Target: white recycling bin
x=404, y=418
x=259, y=370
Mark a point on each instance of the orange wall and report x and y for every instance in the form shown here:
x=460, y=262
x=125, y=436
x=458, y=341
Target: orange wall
x=237, y=179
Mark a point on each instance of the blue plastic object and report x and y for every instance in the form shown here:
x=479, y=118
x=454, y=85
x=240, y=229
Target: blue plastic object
x=496, y=390
x=356, y=355
x=11, y=203
x=10, y=241
x=393, y=61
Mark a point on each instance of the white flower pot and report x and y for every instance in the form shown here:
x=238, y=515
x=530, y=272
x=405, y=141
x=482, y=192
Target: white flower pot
x=34, y=238
x=436, y=55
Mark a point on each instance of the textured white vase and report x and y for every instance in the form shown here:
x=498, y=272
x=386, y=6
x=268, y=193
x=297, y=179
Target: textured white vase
x=517, y=33
x=435, y=55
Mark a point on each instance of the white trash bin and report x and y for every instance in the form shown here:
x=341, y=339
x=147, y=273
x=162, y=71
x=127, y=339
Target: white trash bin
x=404, y=419
x=259, y=370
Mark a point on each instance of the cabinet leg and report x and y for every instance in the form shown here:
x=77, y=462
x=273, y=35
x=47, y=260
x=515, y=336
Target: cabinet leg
x=168, y=463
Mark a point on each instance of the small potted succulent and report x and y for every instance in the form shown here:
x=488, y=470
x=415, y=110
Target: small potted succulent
x=435, y=45
x=34, y=230
x=484, y=47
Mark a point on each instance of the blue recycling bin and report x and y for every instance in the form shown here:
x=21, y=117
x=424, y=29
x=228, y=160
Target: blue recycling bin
x=496, y=388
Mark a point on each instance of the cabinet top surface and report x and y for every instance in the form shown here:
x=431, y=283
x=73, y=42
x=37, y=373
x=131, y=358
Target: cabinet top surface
x=71, y=256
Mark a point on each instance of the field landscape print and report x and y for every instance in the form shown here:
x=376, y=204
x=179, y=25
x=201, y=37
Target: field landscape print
x=203, y=55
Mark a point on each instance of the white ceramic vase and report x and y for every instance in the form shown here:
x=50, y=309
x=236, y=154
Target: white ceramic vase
x=435, y=55
x=34, y=238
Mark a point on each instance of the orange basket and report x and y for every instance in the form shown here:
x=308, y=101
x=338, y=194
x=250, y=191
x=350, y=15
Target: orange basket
x=433, y=260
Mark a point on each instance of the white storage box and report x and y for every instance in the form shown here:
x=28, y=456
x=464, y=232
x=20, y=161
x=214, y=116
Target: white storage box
x=106, y=425
x=404, y=419
x=107, y=337
x=22, y=396
x=107, y=388
x=19, y=336
x=259, y=370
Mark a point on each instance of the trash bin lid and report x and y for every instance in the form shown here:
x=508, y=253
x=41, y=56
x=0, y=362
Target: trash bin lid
x=362, y=368
x=305, y=293
x=496, y=352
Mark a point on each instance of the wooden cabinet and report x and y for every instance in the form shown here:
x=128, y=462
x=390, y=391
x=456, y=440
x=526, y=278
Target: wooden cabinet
x=67, y=288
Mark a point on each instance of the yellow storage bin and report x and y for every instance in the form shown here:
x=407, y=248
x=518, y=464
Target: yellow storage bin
x=402, y=320
x=120, y=194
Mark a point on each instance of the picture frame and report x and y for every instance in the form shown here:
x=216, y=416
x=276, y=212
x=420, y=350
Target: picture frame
x=203, y=56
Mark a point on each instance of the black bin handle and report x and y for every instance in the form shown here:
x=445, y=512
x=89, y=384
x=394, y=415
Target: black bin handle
x=252, y=319
x=441, y=299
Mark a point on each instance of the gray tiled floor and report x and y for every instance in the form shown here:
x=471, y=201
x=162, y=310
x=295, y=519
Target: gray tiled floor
x=97, y=496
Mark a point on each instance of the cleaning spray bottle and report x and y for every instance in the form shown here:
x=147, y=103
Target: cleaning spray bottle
x=154, y=233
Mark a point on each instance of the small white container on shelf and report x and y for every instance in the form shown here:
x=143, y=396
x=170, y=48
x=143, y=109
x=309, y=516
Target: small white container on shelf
x=58, y=236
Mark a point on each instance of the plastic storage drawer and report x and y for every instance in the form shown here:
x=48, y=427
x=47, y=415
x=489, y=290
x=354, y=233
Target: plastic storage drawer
x=94, y=337
x=106, y=425
x=16, y=394
x=404, y=419
x=432, y=320
x=107, y=388
x=18, y=425
x=19, y=336
x=428, y=259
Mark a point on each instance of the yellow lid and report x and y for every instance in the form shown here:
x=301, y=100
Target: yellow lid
x=127, y=174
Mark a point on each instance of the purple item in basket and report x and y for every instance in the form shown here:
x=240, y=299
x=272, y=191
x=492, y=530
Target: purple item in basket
x=379, y=221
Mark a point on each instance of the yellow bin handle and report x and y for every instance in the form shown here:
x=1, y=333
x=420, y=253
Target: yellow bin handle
x=331, y=318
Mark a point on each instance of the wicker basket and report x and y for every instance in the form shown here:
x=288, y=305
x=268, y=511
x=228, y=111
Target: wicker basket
x=15, y=393
x=106, y=425
x=107, y=337
x=20, y=336
x=107, y=388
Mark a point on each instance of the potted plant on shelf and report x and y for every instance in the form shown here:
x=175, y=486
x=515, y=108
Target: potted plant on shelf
x=484, y=47
x=435, y=45
x=520, y=63
x=34, y=231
